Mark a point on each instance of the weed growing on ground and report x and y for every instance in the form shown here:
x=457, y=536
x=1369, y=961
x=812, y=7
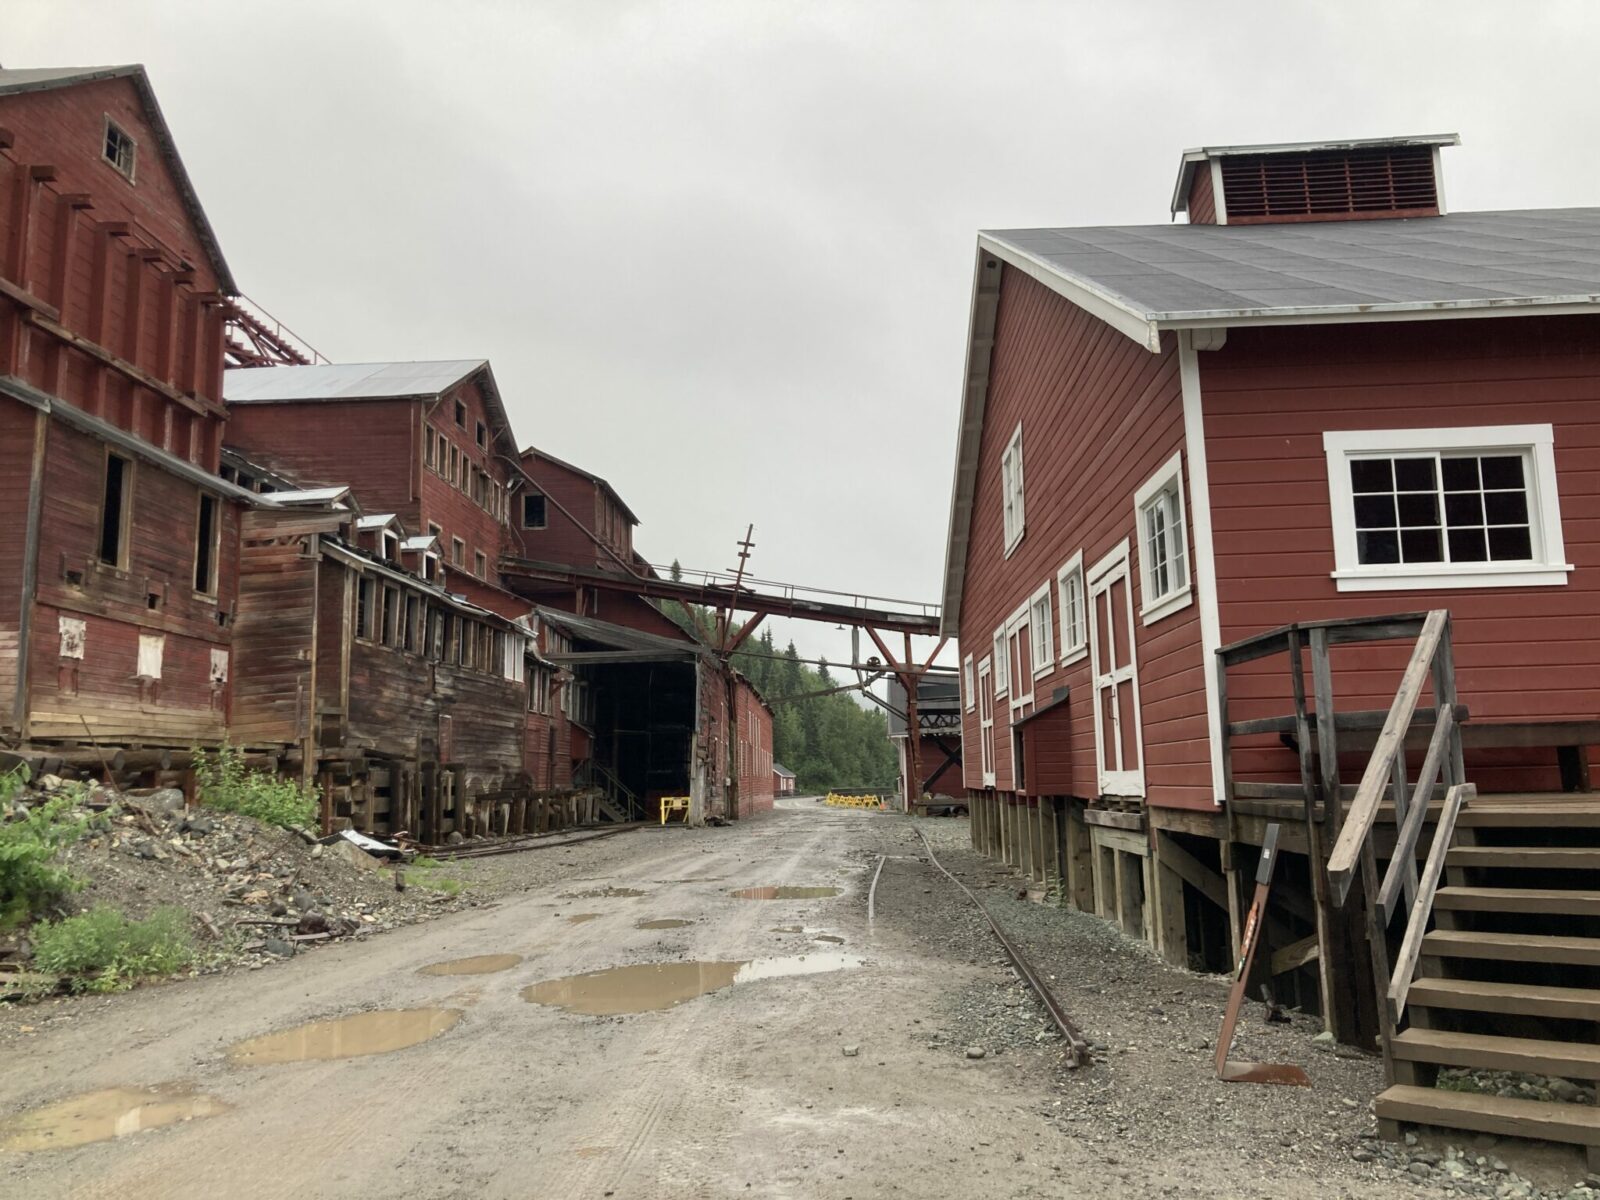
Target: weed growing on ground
x=226, y=785
x=29, y=884
x=421, y=871
x=104, y=951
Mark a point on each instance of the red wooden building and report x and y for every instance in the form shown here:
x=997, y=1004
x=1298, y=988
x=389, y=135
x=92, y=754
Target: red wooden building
x=118, y=544
x=1320, y=401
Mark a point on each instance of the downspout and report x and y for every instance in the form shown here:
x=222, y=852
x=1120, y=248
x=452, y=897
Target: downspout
x=30, y=571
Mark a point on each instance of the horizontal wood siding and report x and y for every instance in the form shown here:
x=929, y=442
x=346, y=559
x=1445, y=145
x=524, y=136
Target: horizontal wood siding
x=1202, y=203
x=17, y=424
x=1100, y=415
x=753, y=750
x=1047, y=742
x=274, y=632
x=367, y=445
x=1522, y=653
x=451, y=506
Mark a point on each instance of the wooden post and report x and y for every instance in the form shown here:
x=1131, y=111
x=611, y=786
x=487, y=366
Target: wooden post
x=1080, y=887
x=1171, y=928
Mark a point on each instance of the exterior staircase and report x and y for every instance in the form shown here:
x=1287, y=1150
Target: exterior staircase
x=1508, y=976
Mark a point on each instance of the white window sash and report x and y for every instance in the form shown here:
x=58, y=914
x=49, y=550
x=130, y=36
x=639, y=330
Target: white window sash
x=1074, y=611
x=1163, y=549
x=969, y=685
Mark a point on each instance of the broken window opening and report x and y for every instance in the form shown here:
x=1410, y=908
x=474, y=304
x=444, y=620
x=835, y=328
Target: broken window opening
x=205, y=547
x=114, y=512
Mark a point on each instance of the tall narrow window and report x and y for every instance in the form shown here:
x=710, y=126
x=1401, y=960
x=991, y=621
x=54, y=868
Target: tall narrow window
x=1074, y=612
x=114, y=512
x=413, y=607
x=391, y=615
x=429, y=453
x=480, y=565
x=1163, y=542
x=458, y=552
x=363, y=607
x=483, y=436
x=205, y=547
x=1011, y=491
x=461, y=414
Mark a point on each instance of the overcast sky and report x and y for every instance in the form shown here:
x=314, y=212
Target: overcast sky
x=721, y=253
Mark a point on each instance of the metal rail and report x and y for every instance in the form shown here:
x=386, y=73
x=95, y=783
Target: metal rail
x=1077, y=1044
x=538, y=841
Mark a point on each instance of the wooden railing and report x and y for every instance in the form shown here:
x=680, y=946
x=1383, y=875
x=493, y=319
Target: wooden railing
x=1316, y=734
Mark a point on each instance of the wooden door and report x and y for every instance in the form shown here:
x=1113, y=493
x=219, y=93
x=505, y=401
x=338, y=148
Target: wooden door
x=1118, y=735
x=986, y=719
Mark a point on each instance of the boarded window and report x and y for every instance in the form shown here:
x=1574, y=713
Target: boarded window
x=364, y=591
x=74, y=636
x=413, y=608
x=455, y=463
x=219, y=667
x=205, y=547
x=533, y=510
x=430, y=454
x=391, y=615
x=480, y=565
x=151, y=648
x=458, y=552
x=436, y=628
x=114, y=511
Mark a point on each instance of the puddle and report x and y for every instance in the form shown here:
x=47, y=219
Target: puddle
x=482, y=964
x=786, y=893
x=788, y=929
x=651, y=987
x=592, y=1151
x=602, y=893
x=829, y=937
x=106, y=1115
x=663, y=923
x=581, y=918
x=346, y=1037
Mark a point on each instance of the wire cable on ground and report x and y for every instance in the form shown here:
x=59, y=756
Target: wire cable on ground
x=1077, y=1044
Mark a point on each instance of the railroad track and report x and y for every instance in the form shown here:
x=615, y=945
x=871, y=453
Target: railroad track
x=537, y=841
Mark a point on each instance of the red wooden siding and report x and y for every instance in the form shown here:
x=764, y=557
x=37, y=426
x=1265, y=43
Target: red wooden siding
x=752, y=750
x=578, y=513
x=1047, y=743
x=452, y=506
x=1202, y=201
x=1268, y=396
x=1100, y=415
x=369, y=445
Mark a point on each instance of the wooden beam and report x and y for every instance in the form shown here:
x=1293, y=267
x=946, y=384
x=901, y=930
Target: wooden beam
x=1296, y=954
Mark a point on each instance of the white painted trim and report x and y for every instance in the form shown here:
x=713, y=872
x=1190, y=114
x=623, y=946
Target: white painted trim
x=1094, y=300
x=969, y=681
x=1548, y=568
x=1099, y=580
x=1438, y=181
x=998, y=654
x=1076, y=652
x=985, y=728
x=1205, y=563
x=1014, y=627
x=1354, y=314
x=1044, y=663
x=1170, y=473
x=1012, y=477
x=1219, y=201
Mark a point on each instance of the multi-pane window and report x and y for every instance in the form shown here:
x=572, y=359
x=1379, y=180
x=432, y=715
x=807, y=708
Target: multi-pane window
x=1163, y=541
x=1041, y=624
x=1442, y=508
x=1011, y=490
x=969, y=694
x=1074, y=612
x=119, y=149
x=1001, y=658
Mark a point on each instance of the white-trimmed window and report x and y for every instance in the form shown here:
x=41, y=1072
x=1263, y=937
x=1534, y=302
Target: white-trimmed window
x=1041, y=625
x=969, y=694
x=1074, y=610
x=1001, y=657
x=1011, y=490
x=1445, y=508
x=1163, y=543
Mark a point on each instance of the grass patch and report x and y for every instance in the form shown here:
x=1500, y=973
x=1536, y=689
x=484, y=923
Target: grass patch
x=29, y=881
x=104, y=951
x=226, y=785
x=423, y=872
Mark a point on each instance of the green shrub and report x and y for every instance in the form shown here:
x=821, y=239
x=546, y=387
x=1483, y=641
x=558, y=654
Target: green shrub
x=227, y=786
x=29, y=883
x=103, y=951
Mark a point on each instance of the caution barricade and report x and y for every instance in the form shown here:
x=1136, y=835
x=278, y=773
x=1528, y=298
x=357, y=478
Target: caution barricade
x=674, y=804
x=875, y=803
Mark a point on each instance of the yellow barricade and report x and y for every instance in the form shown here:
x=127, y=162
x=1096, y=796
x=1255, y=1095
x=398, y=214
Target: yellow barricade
x=671, y=804
x=875, y=803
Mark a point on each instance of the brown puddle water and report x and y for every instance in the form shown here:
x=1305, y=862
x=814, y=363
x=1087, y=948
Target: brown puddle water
x=651, y=987
x=828, y=937
x=663, y=923
x=786, y=893
x=581, y=918
x=482, y=964
x=602, y=893
x=346, y=1037
x=106, y=1115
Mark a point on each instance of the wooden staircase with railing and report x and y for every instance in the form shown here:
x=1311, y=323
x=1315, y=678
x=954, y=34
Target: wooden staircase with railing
x=1497, y=965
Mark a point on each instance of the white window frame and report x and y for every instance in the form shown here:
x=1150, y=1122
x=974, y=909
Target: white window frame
x=969, y=684
x=986, y=727
x=1166, y=481
x=1017, y=636
x=1548, y=567
x=1073, y=649
x=1012, y=489
x=1001, y=657
x=1041, y=628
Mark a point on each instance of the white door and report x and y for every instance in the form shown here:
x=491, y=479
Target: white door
x=986, y=719
x=1118, y=735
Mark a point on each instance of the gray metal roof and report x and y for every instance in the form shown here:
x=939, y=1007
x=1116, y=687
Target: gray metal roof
x=345, y=381
x=780, y=769
x=1144, y=278
x=16, y=81
x=621, y=638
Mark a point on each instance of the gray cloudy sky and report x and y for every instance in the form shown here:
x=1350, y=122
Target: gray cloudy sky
x=721, y=252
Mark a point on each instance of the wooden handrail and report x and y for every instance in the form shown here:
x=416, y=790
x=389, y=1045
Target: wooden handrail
x=1346, y=857
x=1405, y=847
x=1405, y=962
x=1340, y=629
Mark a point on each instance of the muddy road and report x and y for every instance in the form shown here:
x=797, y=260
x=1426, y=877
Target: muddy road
x=636, y=1029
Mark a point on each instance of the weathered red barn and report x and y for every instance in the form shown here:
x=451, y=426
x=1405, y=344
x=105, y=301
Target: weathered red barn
x=783, y=780
x=1323, y=407
x=119, y=545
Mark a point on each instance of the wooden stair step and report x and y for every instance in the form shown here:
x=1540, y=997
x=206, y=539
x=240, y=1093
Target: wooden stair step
x=1555, y=815
x=1570, y=1060
x=1518, y=900
x=1530, y=999
x=1578, y=858
x=1515, y=947
x=1499, y=1115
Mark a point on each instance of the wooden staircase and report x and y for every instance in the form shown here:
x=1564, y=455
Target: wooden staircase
x=1508, y=976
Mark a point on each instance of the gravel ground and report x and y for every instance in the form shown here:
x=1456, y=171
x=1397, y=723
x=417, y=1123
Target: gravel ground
x=1151, y=1093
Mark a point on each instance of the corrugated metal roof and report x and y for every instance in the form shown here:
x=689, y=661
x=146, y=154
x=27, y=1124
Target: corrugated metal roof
x=345, y=381
x=15, y=81
x=618, y=637
x=780, y=769
x=317, y=496
x=1170, y=276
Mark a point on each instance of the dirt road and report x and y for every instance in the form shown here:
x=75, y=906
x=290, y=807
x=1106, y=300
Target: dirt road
x=826, y=1058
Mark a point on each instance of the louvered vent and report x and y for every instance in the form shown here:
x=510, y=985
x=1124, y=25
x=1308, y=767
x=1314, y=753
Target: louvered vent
x=1392, y=181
